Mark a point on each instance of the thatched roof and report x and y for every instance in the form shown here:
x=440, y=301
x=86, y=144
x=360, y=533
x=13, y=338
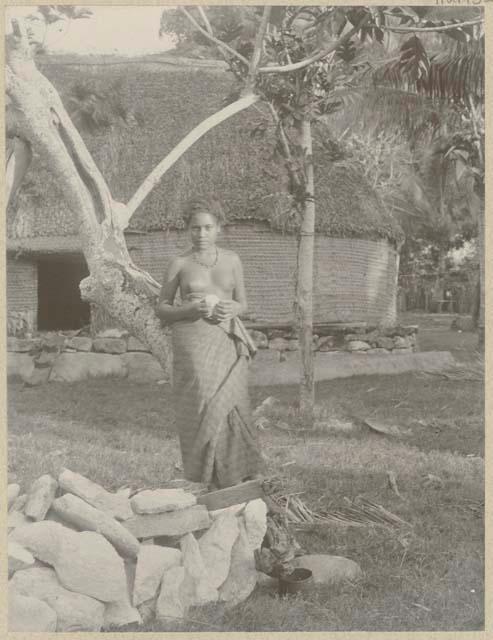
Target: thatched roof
x=166, y=97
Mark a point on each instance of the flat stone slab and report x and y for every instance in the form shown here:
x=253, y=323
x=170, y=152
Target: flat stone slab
x=112, y=333
x=19, y=503
x=162, y=500
x=242, y=576
x=75, y=611
x=170, y=603
x=255, y=518
x=79, y=343
x=16, y=519
x=84, y=562
x=331, y=365
x=197, y=588
x=40, y=497
x=152, y=562
x=84, y=516
x=215, y=548
x=232, y=495
x=109, y=345
x=13, y=491
x=172, y=523
x=28, y=615
x=114, y=504
x=19, y=558
x=120, y=613
x=22, y=345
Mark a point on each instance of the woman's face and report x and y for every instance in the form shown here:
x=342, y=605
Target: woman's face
x=203, y=231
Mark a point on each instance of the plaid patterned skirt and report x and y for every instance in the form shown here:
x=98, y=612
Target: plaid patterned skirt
x=212, y=406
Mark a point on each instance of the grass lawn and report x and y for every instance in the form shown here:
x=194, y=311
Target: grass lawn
x=427, y=578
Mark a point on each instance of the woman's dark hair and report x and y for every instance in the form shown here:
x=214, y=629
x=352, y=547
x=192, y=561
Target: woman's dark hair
x=202, y=205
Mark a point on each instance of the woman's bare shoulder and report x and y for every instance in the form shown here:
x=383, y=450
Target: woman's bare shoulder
x=177, y=263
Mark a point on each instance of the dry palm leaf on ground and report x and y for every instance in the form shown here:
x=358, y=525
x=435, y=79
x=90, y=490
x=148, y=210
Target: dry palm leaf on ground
x=360, y=512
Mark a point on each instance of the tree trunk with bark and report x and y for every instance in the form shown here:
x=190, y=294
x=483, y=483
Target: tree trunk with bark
x=304, y=284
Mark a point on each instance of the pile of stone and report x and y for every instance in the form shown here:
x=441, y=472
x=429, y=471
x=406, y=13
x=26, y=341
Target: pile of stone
x=355, y=337
x=81, y=558
x=114, y=341
x=62, y=357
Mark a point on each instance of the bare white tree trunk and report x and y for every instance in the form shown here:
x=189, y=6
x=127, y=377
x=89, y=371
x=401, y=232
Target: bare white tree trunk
x=36, y=116
x=304, y=284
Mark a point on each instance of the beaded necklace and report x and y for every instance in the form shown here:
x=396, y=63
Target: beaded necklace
x=203, y=264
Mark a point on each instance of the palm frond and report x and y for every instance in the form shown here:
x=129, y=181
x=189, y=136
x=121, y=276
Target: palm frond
x=417, y=117
x=450, y=75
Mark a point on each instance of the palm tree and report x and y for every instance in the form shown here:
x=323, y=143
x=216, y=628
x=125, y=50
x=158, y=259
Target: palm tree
x=428, y=92
x=452, y=148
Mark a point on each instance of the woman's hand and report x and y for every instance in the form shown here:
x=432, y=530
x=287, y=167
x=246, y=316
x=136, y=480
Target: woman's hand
x=199, y=309
x=226, y=310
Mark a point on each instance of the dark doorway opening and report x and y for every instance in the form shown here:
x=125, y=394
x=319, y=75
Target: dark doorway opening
x=59, y=304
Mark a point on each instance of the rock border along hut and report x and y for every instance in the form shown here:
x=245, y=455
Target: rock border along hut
x=154, y=101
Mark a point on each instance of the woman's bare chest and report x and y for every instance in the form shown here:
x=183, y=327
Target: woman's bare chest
x=195, y=278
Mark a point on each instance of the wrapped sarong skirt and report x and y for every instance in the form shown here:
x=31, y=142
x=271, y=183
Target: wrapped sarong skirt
x=212, y=407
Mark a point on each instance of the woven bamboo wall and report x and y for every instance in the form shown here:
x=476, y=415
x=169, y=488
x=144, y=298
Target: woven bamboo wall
x=355, y=279
x=22, y=285
x=22, y=295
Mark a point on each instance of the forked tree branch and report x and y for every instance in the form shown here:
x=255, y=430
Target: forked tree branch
x=205, y=19
x=206, y=125
x=20, y=57
x=222, y=45
x=257, y=51
x=296, y=66
x=247, y=99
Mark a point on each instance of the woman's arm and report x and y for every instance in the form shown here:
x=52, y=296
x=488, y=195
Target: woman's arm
x=239, y=294
x=166, y=310
x=227, y=309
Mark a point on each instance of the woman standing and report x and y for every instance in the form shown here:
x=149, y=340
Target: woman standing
x=211, y=352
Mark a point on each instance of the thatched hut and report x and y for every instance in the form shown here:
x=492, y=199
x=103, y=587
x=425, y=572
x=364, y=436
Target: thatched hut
x=159, y=99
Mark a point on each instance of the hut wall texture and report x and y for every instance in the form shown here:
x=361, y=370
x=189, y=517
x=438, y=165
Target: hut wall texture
x=22, y=284
x=354, y=278
x=22, y=292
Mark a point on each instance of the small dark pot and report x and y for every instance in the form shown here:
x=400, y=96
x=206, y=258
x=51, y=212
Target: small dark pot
x=298, y=581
